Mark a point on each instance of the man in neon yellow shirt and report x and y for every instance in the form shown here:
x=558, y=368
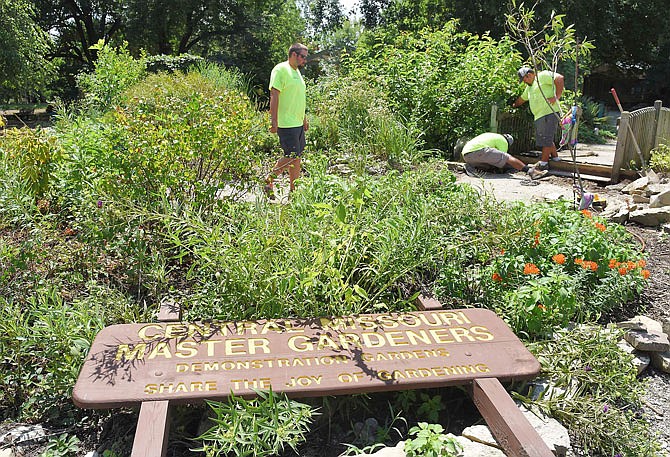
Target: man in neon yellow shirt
x=287, y=115
x=543, y=91
x=491, y=149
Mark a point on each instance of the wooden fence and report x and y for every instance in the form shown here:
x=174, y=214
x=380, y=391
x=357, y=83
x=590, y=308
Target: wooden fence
x=640, y=131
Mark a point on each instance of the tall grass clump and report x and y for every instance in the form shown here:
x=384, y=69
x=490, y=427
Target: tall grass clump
x=351, y=120
x=341, y=247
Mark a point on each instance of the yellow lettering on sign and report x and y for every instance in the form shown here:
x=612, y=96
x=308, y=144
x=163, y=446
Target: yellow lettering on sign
x=396, y=338
x=181, y=387
x=161, y=349
x=300, y=343
x=186, y=349
x=482, y=333
x=123, y=351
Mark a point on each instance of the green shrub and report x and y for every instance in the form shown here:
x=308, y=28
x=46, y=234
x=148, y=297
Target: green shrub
x=660, y=158
x=443, y=81
x=115, y=71
x=35, y=152
x=429, y=441
x=182, y=134
x=351, y=118
x=171, y=64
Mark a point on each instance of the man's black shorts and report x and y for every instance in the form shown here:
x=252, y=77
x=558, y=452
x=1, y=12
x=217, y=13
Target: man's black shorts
x=292, y=140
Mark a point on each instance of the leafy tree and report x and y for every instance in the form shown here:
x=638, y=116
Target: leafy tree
x=250, y=35
x=443, y=81
x=322, y=15
x=23, y=66
x=78, y=25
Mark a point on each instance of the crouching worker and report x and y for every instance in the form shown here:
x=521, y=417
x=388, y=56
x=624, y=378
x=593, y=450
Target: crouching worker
x=491, y=149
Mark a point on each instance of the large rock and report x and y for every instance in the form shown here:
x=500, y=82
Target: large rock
x=640, y=359
x=475, y=449
x=552, y=432
x=397, y=451
x=648, y=341
x=24, y=433
x=651, y=217
x=637, y=185
x=641, y=322
x=661, y=361
x=661, y=199
x=481, y=434
x=616, y=212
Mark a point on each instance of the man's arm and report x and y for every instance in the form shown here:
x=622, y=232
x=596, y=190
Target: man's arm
x=519, y=101
x=274, y=105
x=559, y=84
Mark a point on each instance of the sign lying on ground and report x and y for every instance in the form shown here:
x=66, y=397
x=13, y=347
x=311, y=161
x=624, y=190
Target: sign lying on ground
x=191, y=361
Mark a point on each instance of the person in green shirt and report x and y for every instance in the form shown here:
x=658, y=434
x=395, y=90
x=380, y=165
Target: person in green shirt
x=287, y=115
x=491, y=149
x=543, y=92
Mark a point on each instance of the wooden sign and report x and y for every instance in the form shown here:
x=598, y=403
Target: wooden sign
x=192, y=361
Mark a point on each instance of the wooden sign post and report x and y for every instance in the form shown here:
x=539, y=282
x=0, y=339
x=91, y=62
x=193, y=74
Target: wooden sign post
x=188, y=362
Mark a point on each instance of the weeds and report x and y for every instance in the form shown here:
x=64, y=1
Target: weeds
x=260, y=427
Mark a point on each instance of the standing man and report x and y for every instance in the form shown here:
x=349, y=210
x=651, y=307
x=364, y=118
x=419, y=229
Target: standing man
x=549, y=85
x=287, y=115
x=491, y=149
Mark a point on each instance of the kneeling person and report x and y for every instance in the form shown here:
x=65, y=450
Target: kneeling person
x=491, y=149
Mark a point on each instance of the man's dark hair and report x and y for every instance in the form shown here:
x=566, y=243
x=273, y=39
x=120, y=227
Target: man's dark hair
x=297, y=48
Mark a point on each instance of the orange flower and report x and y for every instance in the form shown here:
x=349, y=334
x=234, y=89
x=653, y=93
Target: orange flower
x=531, y=269
x=497, y=277
x=589, y=265
x=645, y=274
x=600, y=226
x=641, y=263
x=613, y=264
x=623, y=271
x=579, y=261
x=559, y=259
x=541, y=306
x=502, y=251
x=631, y=265
x=537, y=239
x=593, y=266
x=587, y=214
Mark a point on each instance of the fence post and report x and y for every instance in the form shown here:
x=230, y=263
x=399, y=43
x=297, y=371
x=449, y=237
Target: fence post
x=620, y=151
x=494, y=118
x=658, y=104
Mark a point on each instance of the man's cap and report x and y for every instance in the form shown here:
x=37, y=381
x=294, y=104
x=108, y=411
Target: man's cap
x=523, y=71
x=509, y=138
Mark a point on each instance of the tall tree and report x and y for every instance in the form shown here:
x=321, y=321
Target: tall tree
x=78, y=25
x=24, y=69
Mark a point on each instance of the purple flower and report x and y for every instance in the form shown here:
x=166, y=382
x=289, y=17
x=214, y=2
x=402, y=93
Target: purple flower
x=606, y=408
x=588, y=368
x=99, y=203
x=618, y=455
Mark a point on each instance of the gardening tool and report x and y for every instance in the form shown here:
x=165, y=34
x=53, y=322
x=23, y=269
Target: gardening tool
x=632, y=135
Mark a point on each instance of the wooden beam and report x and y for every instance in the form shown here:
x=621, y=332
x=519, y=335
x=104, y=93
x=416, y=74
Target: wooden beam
x=585, y=169
x=153, y=427
x=169, y=311
x=424, y=303
x=510, y=427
